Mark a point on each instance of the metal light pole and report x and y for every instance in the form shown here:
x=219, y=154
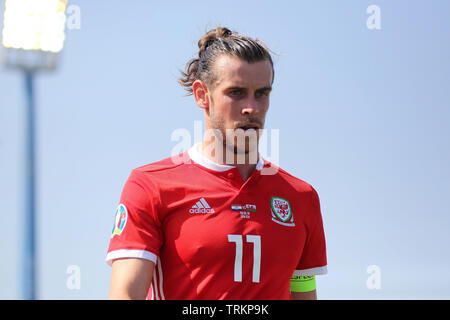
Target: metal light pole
x=32, y=37
x=28, y=263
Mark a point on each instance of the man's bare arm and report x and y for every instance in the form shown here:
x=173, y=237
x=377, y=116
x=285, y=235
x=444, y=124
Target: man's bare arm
x=130, y=279
x=310, y=295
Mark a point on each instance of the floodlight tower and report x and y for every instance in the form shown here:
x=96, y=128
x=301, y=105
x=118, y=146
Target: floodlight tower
x=33, y=34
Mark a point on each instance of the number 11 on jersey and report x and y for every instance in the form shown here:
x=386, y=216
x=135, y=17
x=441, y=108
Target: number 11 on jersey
x=238, y=240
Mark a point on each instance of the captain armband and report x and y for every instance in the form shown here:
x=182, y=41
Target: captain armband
x=303, y=283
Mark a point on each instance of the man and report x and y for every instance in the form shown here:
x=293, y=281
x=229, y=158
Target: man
x=222, y=223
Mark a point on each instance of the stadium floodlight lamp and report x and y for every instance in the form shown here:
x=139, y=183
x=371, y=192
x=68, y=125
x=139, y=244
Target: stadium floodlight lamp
x=33, y=33
x=32, y=36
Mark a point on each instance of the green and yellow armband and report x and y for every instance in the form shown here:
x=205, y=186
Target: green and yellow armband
x=303, y=283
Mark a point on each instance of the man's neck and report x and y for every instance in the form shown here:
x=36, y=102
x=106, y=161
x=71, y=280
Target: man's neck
x=245, y=166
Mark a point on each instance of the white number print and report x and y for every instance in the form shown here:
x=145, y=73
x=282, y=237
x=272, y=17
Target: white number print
x=238, y=240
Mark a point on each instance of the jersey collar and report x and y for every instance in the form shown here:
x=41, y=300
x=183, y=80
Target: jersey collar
x=200, y=159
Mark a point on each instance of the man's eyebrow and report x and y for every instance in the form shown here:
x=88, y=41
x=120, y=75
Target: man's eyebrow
x=235, y=88
x=243, y=88
x=265, y=88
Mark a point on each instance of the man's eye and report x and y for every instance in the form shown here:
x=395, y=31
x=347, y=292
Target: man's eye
x=262, y=93
x=236, y=92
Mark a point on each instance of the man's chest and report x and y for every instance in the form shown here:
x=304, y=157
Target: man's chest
x=252, y=232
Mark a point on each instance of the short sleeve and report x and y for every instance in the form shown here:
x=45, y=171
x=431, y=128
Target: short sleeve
x=314, y=258
x=137, y=231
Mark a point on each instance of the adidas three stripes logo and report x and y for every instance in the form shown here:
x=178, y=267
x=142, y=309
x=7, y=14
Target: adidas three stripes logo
x=201, y=207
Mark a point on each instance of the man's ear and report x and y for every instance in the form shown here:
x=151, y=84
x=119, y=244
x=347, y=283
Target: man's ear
x=200, y=91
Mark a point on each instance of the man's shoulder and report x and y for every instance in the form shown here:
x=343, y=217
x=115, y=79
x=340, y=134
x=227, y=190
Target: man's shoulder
x=162, y=166
x=162, y=173
x=297, y=183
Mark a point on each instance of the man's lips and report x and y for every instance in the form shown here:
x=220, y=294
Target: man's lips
x=249, y=126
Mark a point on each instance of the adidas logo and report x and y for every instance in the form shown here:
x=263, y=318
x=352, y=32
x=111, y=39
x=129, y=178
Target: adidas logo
x=201, y=207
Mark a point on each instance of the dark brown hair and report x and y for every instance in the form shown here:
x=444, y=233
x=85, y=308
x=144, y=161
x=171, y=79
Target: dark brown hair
x=215, y=43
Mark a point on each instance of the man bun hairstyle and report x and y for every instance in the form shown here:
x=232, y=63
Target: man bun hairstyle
x=214, y=43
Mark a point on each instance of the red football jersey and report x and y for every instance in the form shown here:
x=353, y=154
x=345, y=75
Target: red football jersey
x=213, y=236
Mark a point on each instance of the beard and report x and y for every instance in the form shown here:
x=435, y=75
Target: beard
x=239, y=142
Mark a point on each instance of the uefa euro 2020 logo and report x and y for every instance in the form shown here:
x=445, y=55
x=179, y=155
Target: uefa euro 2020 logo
x=120, y=220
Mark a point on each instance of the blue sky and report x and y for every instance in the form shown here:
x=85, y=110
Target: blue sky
x=363, y=116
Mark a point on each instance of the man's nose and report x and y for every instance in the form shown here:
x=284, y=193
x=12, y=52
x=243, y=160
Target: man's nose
x=250, y=106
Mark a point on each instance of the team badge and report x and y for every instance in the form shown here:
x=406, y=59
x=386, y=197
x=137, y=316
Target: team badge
x=120, y=220
x=281, y=212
